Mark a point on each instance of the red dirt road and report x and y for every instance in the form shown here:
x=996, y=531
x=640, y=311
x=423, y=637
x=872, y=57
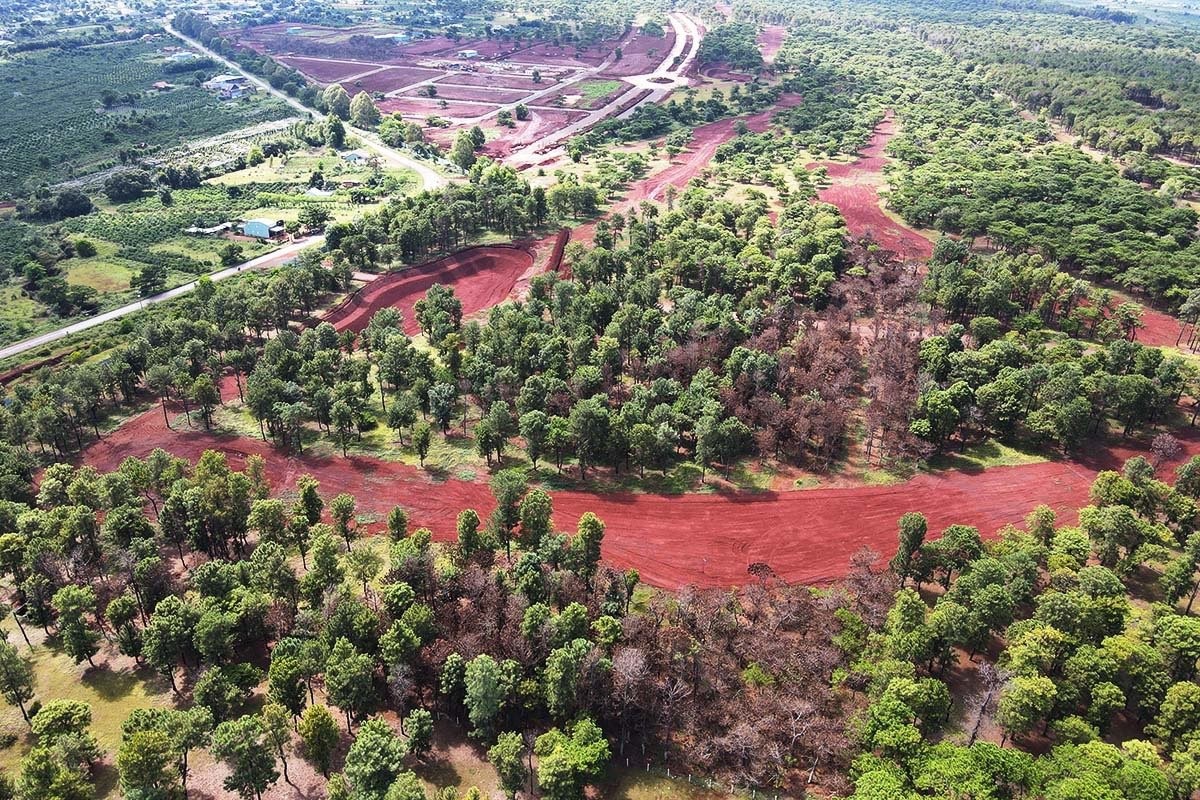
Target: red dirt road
x=854, y=190
x=770, y=40
x=481, y=276
x=701, y=539
x=705, y=141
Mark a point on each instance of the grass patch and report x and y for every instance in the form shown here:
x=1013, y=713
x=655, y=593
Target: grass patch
x=99, y=273
x=882, y=477
x=112, y=692
x=595, y=89
x=985, y=455
x=632, y=784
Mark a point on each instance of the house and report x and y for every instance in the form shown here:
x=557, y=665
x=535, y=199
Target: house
x=215, y=230
x=262, y=228
x=162, y=86
x=182, y=57
x=357, y=157
x=230, y=87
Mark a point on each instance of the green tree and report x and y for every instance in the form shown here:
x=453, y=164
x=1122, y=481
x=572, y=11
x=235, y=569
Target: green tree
x=422, y=439
x=341, y=509
x=337, y=101
x=1025, y=702
x=241, y=744
x=912, y=535
x=277, y=733
x=144, y=763
x=487, y=691
x=536, y=513
x=584, y=553
x=569, y=761
x=508, y=487
x=348, y=679
x=462, y=152
x=16, y=677
x=375, y=759
x=419, y=727
x=507, y=757
x=363, y=112
x=320, y=735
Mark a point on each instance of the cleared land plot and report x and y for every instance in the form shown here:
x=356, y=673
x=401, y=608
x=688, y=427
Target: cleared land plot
x=477, y=94
x=563, y=55
x=642, y=54
x=420, y=107
x=502, y=80
x=541, y=122
x=325, y=70
x=390, y=79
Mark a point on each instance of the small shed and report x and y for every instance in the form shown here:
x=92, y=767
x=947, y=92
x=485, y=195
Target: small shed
x=262, y=228
x=468, y=54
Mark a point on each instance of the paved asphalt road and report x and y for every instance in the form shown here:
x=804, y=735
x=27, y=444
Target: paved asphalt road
x=274, y=259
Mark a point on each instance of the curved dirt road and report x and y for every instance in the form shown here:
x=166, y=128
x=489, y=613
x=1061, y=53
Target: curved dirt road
x=669, y=75
x=701, y=539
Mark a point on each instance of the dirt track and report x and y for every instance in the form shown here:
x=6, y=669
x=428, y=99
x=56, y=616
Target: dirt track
x=701, y=539
x=704, y=143
x=854, y=189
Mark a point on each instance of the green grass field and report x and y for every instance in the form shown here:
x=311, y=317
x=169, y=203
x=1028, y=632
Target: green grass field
x=985, y=455
x=111, y=692
x=592, y=90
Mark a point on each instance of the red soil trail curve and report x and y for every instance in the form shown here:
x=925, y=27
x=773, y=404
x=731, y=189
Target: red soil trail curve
x=770, y=40
x=854, y=190
x=702, y=539
x=703, y=146
x=480, y=276
x=1161, y=330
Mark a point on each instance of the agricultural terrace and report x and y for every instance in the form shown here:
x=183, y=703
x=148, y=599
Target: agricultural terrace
x=70, y=112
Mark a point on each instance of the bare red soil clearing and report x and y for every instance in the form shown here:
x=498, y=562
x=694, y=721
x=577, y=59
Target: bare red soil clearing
x=480, y=276
x=704, y=143
x=1160, y=330
x=421, y=107
x=642, y=54
x=770, y=40
x=475, y=93
x=389, y=79
x=323, y=70
x=702, y=539
x=855, y=192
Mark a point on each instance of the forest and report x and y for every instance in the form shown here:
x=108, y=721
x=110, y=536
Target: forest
x=734, y=336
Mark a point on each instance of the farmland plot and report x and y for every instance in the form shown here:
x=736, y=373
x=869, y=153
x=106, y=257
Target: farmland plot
x=57, y=125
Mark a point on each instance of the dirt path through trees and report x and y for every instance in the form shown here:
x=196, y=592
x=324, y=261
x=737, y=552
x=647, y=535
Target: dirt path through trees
x=702, y=539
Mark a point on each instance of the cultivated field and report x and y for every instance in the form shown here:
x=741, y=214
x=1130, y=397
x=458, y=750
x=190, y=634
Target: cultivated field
x=56, y=125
